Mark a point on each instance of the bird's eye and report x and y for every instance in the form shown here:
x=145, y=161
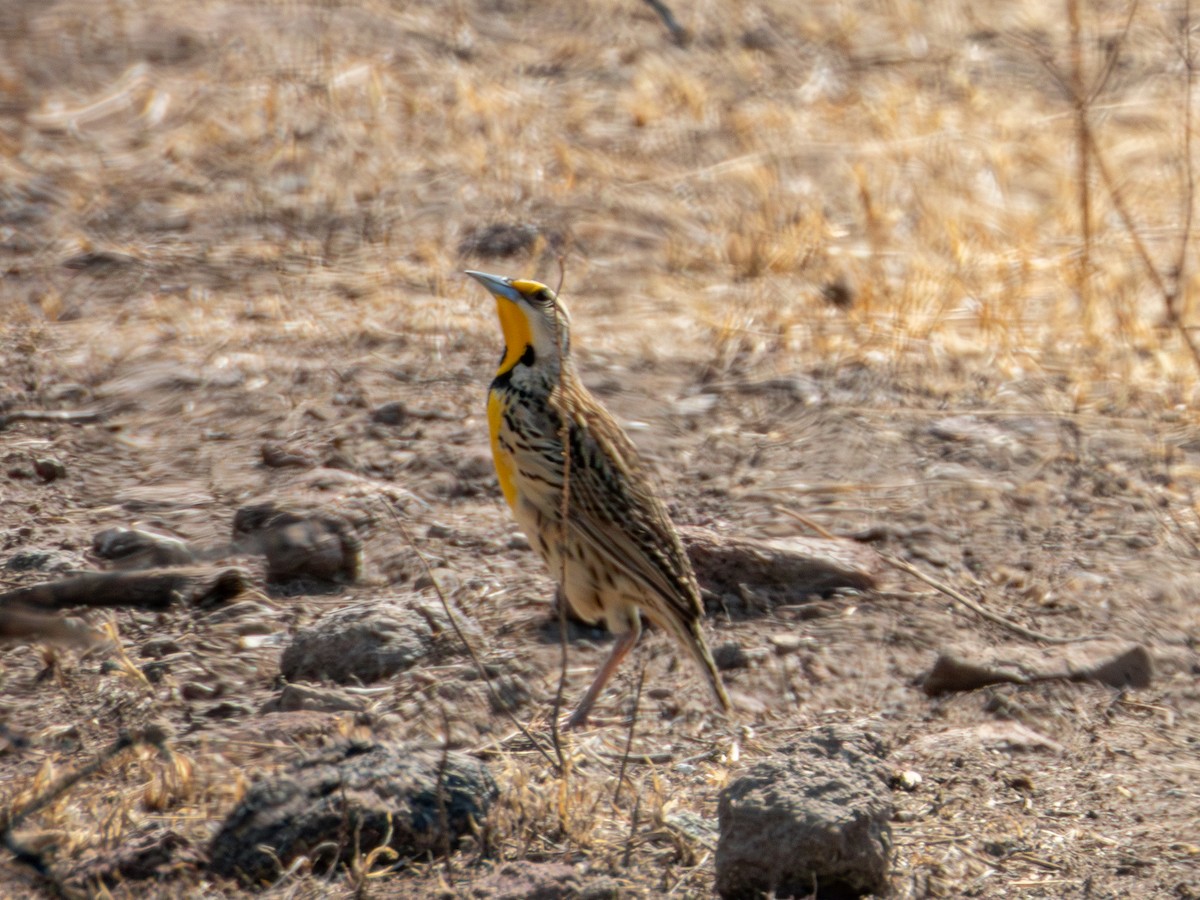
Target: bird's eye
x=543, y=296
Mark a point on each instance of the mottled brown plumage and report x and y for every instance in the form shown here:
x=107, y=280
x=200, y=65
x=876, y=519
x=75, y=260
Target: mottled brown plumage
x=620, y=556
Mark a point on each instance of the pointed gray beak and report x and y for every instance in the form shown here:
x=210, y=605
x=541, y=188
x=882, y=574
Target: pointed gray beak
x=497, y=284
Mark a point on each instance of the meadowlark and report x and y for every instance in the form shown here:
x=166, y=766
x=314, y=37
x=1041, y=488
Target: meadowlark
x=619, y=556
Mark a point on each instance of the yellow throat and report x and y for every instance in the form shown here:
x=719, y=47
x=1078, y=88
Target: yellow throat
x=517, y=336
x=517, y=333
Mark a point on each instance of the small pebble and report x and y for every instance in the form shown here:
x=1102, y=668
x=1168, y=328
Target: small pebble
x=49, y=469
x=392, y=413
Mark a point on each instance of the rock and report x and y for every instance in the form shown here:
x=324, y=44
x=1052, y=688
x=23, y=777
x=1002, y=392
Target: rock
x=695, y=405
x=474, y=466
x=391, y=413
x=135, y=548
x=952, y=673
x=1117, y=664
x=157, y=648
x=446, y=579
x=1132, y=667
x=435, y=613
x=227, y=709
x=512, y=692
x=732, y=655
x=241, y=610
x=157, y=853
x=56, y=561
x=358, y=644
x=49, y=469
x=277, y=456
x=199, y=690
x=968, y=429
x=788, y=642
x=783, y=569
x=287, y=731
x=693, y=826
x=294, y=697
x=794, y=388
x=297, y=544
x=993, y=736
x=813, y=817
x=348, y=802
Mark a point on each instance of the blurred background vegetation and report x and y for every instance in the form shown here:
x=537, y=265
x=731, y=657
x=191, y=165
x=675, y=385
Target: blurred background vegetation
x=926, y=185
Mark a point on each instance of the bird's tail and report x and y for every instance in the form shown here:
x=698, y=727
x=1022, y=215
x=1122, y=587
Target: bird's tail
x=704, y=658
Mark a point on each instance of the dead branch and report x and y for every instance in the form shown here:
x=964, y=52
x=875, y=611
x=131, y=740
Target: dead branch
x=150, y=589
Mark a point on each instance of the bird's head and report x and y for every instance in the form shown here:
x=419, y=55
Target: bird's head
x=535, y=322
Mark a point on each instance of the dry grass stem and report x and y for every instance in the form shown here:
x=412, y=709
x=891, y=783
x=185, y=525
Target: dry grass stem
x=982, y=611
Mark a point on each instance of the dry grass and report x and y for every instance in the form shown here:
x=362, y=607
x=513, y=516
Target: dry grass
x=229, y=222
x=924, y=154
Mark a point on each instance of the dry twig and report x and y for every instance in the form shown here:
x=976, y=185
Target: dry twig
x=150, y=589
x=479, y=666
x=979, y=610
x=1090, y=153
x=637, y=703
x=679, y=34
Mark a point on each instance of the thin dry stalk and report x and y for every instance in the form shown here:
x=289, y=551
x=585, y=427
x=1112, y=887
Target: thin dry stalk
x=1091, y=155
x=979, y=610
x=443, y=813
x=637, y=702
x=151, y=736
x=679, y=34
x=1179, y=273
x=1080, y=100
x=479, y=666
x=878, y=239
x=1168, y=293
x=633, y=824
x=564, y=437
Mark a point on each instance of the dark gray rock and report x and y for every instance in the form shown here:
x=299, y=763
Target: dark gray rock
x=778, y=569
x=1118, y=664
x=49, y=469
x=348, y=802
x=812, y=819
x=55, y=561
x=358, y=644
x=136, y=548
x=299, y=543
x=391, y=413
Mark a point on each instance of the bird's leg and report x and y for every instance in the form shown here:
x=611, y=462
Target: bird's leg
x=620, y=650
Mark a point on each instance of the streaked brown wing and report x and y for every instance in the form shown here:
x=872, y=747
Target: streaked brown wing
x=615, y=509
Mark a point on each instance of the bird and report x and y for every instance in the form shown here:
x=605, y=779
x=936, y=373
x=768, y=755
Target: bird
x=619, y=558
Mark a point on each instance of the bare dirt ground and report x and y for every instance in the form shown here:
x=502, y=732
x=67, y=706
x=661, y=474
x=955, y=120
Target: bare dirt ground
x=829, y=260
